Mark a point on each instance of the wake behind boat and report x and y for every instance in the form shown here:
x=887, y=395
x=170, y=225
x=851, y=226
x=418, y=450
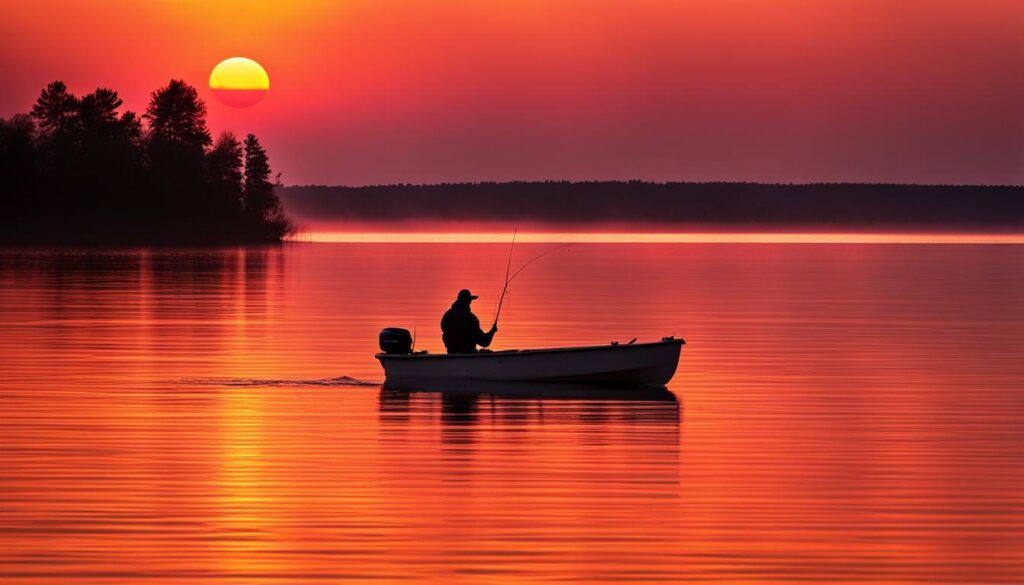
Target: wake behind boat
x=633, y=364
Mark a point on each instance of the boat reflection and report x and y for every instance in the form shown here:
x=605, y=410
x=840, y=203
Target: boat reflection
x=653, y=414
x=536, y=390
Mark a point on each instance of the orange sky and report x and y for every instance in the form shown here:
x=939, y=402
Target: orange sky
x=381, y=91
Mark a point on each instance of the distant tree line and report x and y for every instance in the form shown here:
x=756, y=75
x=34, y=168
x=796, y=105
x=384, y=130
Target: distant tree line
x=80, y=170
x=752, y=204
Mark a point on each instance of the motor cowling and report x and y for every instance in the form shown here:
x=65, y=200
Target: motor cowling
x=395, y=340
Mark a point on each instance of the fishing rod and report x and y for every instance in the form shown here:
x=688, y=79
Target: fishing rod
x=508, y=268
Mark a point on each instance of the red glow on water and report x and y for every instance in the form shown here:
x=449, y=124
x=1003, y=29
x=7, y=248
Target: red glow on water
x=843, y=413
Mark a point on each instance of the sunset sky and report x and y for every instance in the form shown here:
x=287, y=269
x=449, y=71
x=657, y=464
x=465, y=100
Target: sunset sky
x=381, y=91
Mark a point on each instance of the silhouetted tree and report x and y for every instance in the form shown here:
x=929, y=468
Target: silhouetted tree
x=261, y=203
x=178, y=138
x=18, y=168
x=109, y=142
x=177, y=115
x=98, y=111
x=56, y=109
x=131, y=128
x=17, y=147
x=224, y=173
x=257, y=176
x=56, y=112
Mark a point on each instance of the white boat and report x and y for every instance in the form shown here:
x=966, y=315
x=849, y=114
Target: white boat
x=632, y=364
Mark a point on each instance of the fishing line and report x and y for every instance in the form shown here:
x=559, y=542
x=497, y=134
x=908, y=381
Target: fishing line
x=538, y=257
x=508, y=280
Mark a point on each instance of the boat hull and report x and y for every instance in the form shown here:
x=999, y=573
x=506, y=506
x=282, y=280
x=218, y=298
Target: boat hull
x=638, y=364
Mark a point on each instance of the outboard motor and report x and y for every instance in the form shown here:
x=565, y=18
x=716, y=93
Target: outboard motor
x=395, y=340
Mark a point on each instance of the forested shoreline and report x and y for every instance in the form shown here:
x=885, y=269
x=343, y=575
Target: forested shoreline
x=857, y=205
x=80, y=170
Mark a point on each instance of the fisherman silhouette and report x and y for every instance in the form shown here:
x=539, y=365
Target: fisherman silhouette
x=460, y=328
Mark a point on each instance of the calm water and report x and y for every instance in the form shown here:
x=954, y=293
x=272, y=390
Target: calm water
x=847, y=413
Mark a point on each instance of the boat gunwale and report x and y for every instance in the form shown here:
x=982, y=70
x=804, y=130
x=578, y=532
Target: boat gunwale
x=517, y=352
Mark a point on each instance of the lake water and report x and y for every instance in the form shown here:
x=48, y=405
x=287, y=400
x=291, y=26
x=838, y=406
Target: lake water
x=842, y=414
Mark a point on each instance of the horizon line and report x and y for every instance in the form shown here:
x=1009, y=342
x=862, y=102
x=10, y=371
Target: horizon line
x=331, y=237
x=655, y=182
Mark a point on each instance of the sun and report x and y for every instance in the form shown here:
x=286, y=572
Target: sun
x=239, y=82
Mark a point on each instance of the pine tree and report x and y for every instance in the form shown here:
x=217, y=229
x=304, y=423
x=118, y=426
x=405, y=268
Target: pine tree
x=56, y=110
x=177, y=115
x=224, y=173
x=259, y=191
x=262, y=206
x=98, y=111
x=176, y=151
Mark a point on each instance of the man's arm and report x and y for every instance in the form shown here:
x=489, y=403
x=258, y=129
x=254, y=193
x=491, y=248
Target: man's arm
x=484, y=339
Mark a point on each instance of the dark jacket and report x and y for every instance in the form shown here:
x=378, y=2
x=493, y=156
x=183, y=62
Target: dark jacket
x=461, y=330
